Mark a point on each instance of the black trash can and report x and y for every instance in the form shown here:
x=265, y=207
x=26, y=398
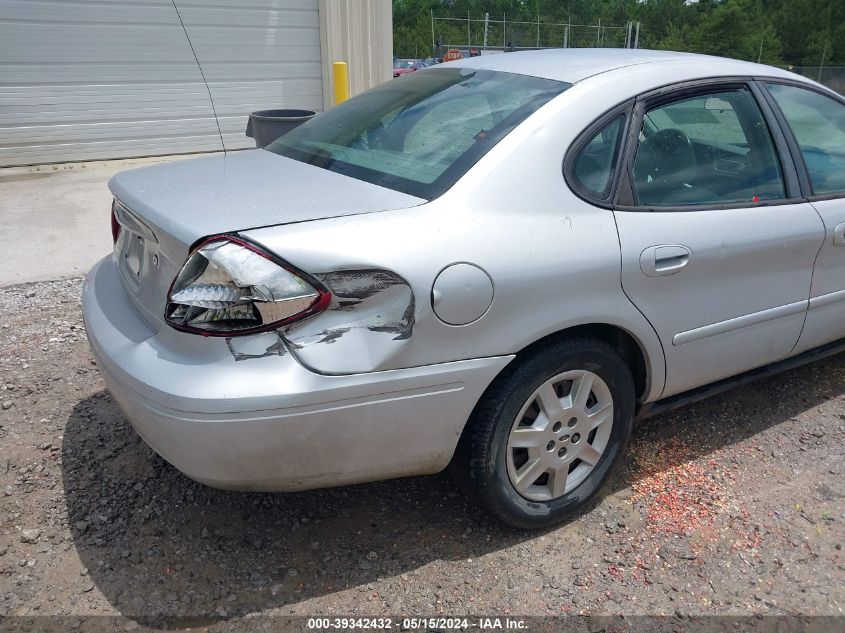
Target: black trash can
x=265, y=126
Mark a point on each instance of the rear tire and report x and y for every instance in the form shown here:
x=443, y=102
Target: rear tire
x=547, y=433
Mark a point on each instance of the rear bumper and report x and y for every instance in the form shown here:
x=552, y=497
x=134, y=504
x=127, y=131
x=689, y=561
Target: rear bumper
x=244, y=414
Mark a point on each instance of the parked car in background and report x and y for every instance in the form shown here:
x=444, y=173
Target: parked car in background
x=496, y=264
x=429, y=61
x=405, y=66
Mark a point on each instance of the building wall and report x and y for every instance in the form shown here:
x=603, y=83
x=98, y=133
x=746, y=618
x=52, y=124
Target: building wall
x=255, y=55
x=98, y=80
x=108, y=79
x=360, y=33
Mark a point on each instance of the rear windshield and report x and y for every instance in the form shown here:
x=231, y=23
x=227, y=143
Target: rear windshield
x=421, y=132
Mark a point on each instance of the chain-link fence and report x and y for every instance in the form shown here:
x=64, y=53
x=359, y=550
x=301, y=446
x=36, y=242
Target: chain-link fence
x=488, y=34
x=491, y=33
x=831, y=76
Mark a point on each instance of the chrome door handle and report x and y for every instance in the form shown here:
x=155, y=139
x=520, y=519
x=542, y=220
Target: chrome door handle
x=665, y=259
x=839, y=234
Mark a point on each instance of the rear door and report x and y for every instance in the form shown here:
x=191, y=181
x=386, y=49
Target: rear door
x=814, y=121
x=717, y=245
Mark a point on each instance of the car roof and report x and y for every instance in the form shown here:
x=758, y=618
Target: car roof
x=576, y=64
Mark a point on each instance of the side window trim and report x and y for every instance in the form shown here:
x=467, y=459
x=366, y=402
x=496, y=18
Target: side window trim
x=795, y=153
x=793, y=172
x=625, y=193
x=786, y=130
x=625, y=198
x=581, y=141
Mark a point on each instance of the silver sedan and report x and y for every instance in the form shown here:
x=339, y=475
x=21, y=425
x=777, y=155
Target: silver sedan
x=495, y=264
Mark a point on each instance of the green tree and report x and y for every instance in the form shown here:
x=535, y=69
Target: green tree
x=774, y=31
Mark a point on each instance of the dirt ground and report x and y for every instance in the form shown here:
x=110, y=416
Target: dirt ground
x=734, y=506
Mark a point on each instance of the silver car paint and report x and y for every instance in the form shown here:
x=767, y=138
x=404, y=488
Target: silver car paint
x=379, y=368
x=827, y=295
x=741, y=298
x=184, y=201
x=568, y=249
x=575, y=65
x=553, y=258
x=256, y=419
x=373, y=311
x=191, y=199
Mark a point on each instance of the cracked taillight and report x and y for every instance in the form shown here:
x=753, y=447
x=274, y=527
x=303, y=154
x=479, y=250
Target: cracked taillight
x=230, y=287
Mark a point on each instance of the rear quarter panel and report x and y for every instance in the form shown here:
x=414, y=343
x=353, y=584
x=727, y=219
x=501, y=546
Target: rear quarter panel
x=554, y=260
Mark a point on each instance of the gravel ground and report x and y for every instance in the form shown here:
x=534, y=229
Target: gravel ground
x=735, y=506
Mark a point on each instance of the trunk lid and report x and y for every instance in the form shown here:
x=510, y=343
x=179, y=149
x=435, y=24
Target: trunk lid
x=164, y=209
x=191, y=199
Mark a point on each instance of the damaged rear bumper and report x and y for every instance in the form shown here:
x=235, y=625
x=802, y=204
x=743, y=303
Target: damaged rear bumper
x=245, y=414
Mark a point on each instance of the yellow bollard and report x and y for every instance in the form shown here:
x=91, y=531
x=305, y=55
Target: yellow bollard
x=341, y=82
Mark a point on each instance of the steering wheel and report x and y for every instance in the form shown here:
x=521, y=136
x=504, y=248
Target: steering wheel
x=666, y=167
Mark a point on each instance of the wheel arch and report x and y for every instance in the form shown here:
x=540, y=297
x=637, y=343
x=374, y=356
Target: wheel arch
x=477, y=463
x=630, y=347
x=624, y=342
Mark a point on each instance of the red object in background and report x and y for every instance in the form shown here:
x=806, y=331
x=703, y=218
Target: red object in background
x=405, y=66
x=453, y=54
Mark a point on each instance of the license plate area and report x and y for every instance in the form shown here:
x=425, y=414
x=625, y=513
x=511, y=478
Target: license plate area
x=133, y=258
x=134, y=254
x=136, y=249
x=143, y=256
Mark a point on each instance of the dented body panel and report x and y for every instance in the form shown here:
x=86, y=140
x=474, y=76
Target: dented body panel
x=376, y=385
x=243, y=413
x=372, y=311
x=553, y=259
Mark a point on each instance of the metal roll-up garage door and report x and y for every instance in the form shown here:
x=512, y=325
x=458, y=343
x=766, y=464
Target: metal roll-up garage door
x=100, y=79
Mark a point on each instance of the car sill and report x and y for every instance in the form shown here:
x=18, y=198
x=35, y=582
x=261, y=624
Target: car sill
x=701, y=393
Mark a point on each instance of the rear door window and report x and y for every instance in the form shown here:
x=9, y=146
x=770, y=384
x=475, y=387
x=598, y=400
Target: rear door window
x=708, y=149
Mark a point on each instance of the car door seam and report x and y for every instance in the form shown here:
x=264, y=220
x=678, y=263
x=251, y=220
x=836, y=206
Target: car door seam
x=637, y=308
x=812, y=277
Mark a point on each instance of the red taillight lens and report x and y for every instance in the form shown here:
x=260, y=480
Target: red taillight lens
x=230, y=287
x=115, y=225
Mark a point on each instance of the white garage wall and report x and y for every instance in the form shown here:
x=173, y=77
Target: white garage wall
x=98, y=79
x=255, y=54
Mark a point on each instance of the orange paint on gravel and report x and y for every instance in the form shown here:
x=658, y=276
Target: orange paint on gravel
x=681, y=495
